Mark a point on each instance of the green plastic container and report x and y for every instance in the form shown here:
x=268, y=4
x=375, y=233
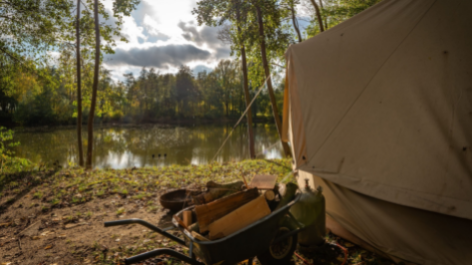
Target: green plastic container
x=310, y=211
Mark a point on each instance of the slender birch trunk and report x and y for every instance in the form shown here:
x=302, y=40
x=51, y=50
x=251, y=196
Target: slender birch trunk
x=318, y=15
x=79, y=90
x=94, y=87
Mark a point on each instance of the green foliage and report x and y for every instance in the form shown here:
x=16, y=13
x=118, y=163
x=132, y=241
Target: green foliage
x=335, y=12
x=243, y=30
x=110, y=32
x=150, y=96
x=32, y=26
x=8, y=162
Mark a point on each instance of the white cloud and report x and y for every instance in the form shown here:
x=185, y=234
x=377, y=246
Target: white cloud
x=156, y=26
x=167, y=15
x=132, y=32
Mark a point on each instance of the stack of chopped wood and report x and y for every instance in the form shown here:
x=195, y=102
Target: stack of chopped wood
x=227, y=208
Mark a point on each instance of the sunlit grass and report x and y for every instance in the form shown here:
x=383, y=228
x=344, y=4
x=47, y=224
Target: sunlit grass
x=76, y=185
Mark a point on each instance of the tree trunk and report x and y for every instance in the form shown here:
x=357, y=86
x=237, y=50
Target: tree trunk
x=250, y=130
x=325, y=18
x=295, y=23
x=275, y=110
x=226, y=107
x=79, y=91
x=94, y=87
x=318, y=15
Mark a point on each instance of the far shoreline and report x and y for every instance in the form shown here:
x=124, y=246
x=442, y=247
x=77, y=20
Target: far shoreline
x=171, y=122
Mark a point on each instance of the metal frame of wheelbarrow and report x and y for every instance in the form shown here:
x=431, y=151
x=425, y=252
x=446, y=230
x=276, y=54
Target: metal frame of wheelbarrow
x=255, y=238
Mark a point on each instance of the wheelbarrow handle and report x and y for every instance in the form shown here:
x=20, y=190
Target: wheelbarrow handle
x=119, y=222
x=162, y=251
x=146, y=224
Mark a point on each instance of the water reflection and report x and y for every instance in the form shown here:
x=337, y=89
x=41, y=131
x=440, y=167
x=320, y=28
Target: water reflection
x=124, y=147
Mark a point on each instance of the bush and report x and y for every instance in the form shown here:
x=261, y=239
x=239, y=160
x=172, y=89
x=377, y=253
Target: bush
x=8, y=162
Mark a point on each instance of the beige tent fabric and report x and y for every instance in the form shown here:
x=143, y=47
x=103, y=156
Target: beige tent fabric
x=402, y=232
x=384, y=103
x=296, y=134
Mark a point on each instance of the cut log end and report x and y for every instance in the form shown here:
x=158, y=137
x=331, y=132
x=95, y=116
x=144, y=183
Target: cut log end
x=269, y=195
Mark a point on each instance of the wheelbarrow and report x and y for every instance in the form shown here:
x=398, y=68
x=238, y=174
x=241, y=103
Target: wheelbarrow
x=272, y=239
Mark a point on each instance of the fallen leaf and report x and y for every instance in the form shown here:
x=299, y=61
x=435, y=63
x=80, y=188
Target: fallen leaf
x=349, y=245
x=35, y=237
x=340, y=259
x=68, y=226
x=6, y=263
x=48, y=247
x=45, y=233
x=117, y=240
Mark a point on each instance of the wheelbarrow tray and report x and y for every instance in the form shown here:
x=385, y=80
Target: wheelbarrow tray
x=241, y=245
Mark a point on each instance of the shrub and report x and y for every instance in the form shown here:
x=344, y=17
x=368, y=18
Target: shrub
x=8, y=162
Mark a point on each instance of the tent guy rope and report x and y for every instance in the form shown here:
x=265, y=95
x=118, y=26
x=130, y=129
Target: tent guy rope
x=240, y=119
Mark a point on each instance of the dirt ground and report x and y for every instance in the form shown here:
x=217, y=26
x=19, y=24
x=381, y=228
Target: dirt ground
x=76, y=234
x=57, y=217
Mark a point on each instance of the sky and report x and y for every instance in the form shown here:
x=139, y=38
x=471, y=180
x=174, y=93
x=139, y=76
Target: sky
x=164, y=35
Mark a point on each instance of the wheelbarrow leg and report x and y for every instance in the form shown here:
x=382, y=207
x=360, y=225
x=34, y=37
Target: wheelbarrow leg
x=162, y=251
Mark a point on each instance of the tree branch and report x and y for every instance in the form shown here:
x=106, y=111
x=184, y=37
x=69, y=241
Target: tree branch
x=9, y=55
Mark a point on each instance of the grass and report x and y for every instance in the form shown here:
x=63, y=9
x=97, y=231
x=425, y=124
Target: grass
x=37, y=195
x=73, y=186
x=45, y=208
x=120, y=211
x=76, y=185
x=88, y=215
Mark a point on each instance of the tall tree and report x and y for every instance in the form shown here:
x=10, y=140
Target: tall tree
x=265, y=62
x=291, y=6
x=185, y=91
x=325, y=17
x=215, y=13
x=329, y=13
x=94, y=87
x=79, y=91
x=318, y=15
x=239, y=20
x=120, y=7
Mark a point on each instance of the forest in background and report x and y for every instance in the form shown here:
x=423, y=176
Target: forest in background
x=150, y=96
x=36, y=89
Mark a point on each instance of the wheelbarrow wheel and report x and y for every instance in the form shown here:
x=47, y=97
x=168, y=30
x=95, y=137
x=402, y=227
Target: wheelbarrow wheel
x=281, y=252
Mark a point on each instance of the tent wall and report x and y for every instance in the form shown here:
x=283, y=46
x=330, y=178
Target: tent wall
x=382, y=104
x=401, y=232
x=379, y=112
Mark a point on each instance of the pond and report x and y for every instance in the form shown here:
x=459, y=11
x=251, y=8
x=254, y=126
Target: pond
x=149, y=145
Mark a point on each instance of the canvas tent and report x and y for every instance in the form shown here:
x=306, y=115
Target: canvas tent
x=378, y=111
